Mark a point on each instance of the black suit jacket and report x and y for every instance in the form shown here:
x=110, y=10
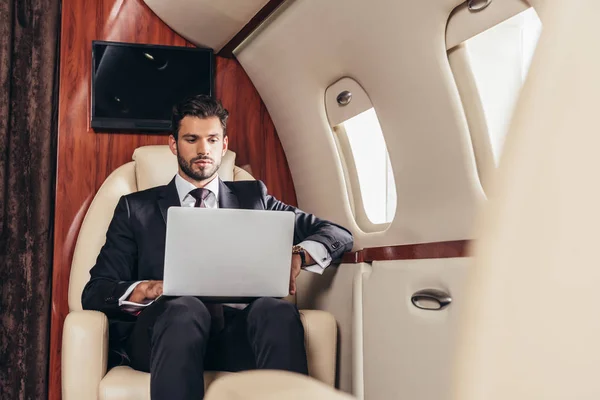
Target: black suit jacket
x=135, y=242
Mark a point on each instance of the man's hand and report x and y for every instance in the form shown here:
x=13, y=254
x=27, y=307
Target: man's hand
x=296, y=268
x=146, y=291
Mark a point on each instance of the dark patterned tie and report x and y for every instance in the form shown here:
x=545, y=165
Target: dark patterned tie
x=216, y=310
x=200, y=194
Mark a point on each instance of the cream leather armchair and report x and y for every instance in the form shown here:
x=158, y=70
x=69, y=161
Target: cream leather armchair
x=85, y=333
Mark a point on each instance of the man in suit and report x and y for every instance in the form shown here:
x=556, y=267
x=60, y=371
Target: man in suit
x=177, y=338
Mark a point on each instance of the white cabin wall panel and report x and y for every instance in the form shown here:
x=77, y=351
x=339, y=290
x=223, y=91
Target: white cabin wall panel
x=464, y=24
x=334, y=292
x=408, y=351
x=396, y=51
x=474, y=112
x=206, y=23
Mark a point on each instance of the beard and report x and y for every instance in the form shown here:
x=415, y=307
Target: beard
x=202, y=173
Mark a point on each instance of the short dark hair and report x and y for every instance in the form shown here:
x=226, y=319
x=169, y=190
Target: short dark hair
x=201, y=106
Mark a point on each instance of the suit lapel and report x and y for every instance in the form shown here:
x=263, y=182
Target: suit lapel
x=169, y=198
x=227, y=199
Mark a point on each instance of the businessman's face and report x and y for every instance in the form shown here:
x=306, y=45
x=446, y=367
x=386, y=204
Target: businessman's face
x=199, y=147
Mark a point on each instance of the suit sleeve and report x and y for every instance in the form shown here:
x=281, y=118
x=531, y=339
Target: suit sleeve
x=336, y=239
x=114, y=271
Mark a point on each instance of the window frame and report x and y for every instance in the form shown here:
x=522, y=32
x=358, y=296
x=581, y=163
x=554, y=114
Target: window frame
x=353, y=183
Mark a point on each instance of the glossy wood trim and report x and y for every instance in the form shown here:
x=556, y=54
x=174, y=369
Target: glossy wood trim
x=353, y=257
x=227, y=50
x=451, y=249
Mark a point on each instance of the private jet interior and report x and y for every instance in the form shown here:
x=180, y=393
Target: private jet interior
x=453, y=138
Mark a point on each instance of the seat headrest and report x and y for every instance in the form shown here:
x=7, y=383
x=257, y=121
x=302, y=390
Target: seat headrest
x=156, y=166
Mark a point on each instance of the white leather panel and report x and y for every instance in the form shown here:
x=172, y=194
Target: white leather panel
x=320, y=338
x=85, y=349
x=241, y=175
x=206, y=23
x=271, y=385
x=408, y=352
x=84, y=354
x=471, y=100
x=464, y=24
x=358, y=353
x=92, y=234
x=333, y=292
x=533, y=331
x=156, y=166
x=403, y=66
x=124, y=383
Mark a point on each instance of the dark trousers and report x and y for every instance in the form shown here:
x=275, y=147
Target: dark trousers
x=172, y=339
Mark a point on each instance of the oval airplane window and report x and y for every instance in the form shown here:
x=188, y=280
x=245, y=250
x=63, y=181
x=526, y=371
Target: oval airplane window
x=364, y=154
x=373, y=167
x=500, y=58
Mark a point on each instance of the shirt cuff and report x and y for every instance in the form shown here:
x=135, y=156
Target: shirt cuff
x=123, y=299
x=319, y=253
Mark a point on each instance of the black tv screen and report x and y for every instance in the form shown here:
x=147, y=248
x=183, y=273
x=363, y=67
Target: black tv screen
x=134, y=87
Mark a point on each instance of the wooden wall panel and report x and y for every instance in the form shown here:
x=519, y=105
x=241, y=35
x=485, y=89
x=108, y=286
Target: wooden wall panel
x=86, y=158
x=251, y=132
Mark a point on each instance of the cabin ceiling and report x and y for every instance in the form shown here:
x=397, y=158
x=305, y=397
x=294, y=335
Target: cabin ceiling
x=206, y=23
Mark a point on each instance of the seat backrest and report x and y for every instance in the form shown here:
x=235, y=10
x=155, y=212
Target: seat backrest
x=151, y=166
x=532, y=323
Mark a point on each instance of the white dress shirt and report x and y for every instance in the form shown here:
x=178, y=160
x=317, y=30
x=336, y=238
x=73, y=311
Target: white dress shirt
x=317, y=250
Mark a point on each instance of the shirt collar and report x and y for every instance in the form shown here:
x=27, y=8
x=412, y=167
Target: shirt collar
x=184, y=187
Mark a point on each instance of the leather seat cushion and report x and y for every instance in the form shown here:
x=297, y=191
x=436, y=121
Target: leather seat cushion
x=125, y=383
x=272, y=385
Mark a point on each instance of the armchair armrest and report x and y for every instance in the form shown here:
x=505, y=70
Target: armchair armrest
x=84, y=354
x=320, y=339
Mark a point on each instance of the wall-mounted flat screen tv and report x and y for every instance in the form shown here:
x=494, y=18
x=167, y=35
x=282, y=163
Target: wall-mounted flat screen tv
x=134, y=87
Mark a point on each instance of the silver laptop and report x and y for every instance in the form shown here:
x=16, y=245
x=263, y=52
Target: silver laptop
x=228, y=255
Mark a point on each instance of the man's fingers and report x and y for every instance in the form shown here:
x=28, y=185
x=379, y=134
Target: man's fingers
x=144, y=287
x=149, y=291
x=153, y=289
x=293, y=286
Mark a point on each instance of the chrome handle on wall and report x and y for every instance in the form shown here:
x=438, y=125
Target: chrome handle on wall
x=478, y=5
x=431, y=299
